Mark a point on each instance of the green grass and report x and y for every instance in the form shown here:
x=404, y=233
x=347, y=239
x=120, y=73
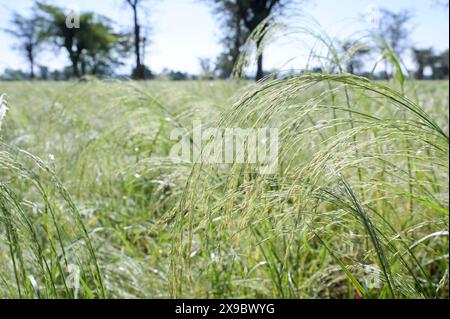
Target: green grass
x=358, y=206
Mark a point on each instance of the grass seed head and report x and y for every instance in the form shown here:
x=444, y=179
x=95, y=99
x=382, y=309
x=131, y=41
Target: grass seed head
x=3, y=108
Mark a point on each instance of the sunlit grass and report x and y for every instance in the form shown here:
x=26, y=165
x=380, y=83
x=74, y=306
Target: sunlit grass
x=358, y=206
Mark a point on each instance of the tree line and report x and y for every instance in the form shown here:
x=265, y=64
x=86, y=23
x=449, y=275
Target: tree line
x=93, y=46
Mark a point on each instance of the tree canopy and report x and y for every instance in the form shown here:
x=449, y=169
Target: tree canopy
x=26, y=32
x=93, y=47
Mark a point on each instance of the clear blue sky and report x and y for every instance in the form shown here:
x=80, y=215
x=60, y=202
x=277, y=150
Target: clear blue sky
x=185, y=30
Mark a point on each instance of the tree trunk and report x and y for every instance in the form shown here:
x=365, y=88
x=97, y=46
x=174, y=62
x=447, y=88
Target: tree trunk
x=419, y=74
x=139, y=72
x=76, y=72
x=73, y=56
x=386, y=68
x=31, y=58
x=94, y=64
x=83, y=67
x=237, y=41
x=259, y=66
x=74, y=59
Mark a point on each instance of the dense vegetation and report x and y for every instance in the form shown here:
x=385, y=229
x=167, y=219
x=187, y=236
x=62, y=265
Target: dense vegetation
x=92, y=204
x=358, y=206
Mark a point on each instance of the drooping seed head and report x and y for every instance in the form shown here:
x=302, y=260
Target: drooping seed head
x=3, y=108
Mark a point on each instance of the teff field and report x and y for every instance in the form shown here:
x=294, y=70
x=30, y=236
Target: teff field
x=92, y=206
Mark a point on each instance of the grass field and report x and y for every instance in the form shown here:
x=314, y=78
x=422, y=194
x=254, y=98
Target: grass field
x=91, y=206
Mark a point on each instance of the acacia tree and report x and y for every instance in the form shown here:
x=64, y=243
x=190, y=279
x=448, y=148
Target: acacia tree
x=393, y=34
x=56, y=31
x=234, y=37
x=254, y=12
x=207, y=69
x=241, y=18
x=355, y=56
x=26, y=32
x=90, y=46
x=395, y=30
x=423, y=59
x=103, y=48
x=139, y=72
